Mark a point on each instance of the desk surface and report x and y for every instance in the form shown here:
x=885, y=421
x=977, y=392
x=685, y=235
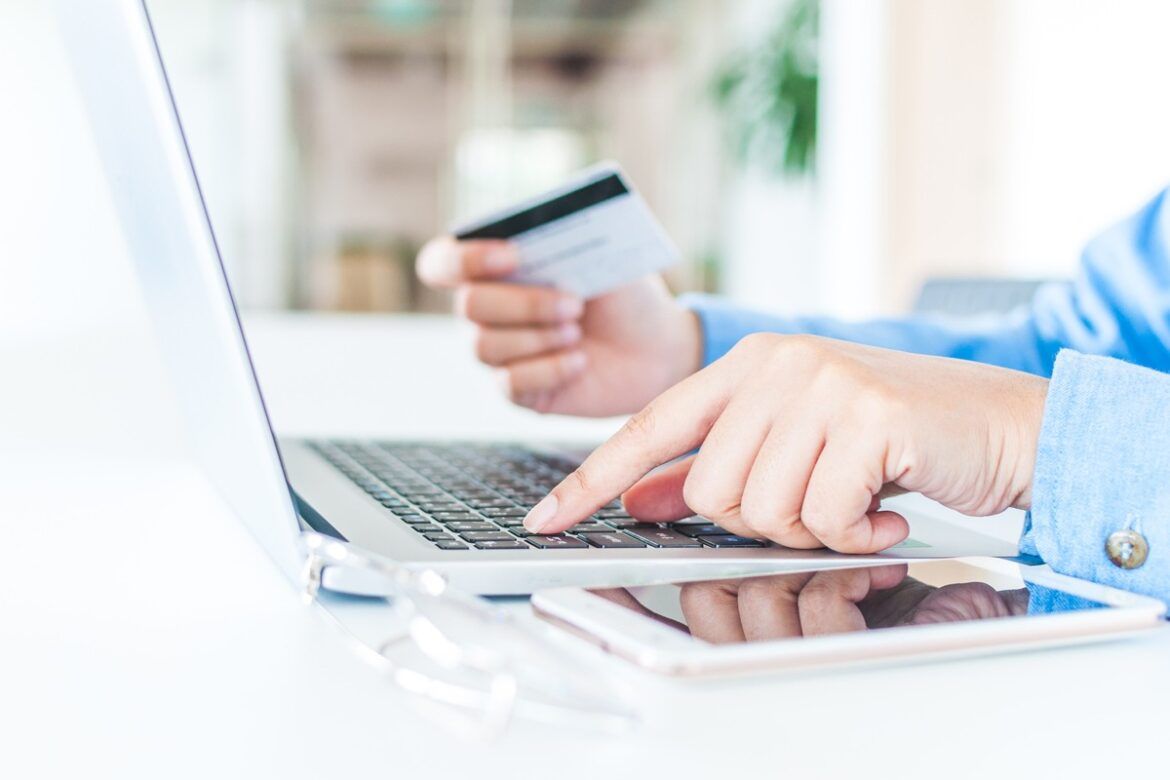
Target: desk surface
x=144, y=634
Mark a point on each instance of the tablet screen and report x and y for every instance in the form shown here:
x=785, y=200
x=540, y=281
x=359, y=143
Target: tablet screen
x=784, y=606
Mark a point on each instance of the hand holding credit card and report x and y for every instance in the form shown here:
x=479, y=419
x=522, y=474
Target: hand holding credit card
x=586, y=237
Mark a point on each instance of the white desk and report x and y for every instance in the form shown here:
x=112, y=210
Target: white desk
x=143, y=634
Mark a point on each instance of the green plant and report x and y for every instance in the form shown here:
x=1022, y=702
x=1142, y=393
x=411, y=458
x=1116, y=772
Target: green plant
x=768, y=94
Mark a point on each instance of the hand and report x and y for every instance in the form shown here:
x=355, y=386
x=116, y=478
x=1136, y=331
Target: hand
x=556, y=353
x=798, y=435
x=785, y=605
x=966, y=601
x=831, y=602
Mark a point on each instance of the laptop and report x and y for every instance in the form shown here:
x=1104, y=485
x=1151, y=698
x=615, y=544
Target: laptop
x=456, y=508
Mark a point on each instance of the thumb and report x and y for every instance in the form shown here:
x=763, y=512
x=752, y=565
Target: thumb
x=658, y=496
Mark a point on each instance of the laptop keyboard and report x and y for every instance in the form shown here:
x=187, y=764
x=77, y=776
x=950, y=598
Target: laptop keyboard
x=475, y=496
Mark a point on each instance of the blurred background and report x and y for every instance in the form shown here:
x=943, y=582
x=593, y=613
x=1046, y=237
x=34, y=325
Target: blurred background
x=805, y=156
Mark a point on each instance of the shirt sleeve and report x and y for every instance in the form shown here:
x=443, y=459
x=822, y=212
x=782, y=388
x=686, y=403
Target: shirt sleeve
x=1119, y=305
x=1102, y=466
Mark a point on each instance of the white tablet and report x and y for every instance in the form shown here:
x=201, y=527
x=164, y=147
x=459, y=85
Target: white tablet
x=868, y=614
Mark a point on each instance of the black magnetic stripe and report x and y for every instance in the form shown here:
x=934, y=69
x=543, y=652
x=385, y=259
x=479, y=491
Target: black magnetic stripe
x=561, y=206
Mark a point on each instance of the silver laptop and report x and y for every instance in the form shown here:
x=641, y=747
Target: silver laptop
x=456, y=508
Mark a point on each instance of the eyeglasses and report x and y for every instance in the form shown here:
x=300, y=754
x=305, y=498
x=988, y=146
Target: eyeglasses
x=477, y=663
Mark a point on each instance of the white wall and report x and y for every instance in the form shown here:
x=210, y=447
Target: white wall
x=70, y=306
x=982, y=137
x=57, y=228
x=1089, y=105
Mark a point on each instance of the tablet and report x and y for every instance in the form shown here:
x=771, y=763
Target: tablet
x=869, y=614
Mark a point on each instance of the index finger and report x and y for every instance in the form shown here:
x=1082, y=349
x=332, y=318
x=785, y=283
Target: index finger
x=446, y=262
x=671, y=424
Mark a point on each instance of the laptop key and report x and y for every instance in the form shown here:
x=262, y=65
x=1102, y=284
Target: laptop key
x=452, y=544
x=587, y=527
x=664, y=537
x=612, y=539
x=692, y=520
x=439, y=537
x=489, y=503
x=412, y=519
x=731, y=540
x=706, y=529
x=464, y=515
x=442, y=506
x=487, y=536
x=459, y=526
x=426, y=529
x=556, y=542
x=504, y=511
x=628, y=522
x=515, y=544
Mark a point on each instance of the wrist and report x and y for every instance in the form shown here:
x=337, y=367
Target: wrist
x=1030, y=418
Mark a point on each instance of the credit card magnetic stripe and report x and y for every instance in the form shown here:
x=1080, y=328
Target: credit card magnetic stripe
x=551, y=210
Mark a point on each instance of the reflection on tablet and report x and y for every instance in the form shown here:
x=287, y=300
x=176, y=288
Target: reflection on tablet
x=785, y=606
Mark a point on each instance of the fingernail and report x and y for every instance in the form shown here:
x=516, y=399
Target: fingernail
x=569, y=333
x=569, y=308
x=497, y=261
x=542, y=514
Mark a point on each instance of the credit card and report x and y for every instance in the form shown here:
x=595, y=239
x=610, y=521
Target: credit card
x=586, y=237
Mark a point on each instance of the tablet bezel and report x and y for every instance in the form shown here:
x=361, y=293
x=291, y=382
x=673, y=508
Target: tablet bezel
x=664, y=650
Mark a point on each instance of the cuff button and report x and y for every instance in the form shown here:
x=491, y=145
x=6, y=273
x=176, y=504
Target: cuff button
x=1127, y=549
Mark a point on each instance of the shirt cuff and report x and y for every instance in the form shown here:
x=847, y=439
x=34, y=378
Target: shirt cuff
x=1102, y=466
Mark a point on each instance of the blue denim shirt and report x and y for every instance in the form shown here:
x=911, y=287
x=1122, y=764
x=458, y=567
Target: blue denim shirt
x=1103, y=462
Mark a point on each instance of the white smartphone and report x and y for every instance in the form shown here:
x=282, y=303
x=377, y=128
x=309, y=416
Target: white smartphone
x=868, y=614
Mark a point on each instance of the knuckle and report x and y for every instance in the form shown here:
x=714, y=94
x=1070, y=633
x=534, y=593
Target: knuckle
x=511, y=385
x=563, y=367
x=818, y=590
x=802, y=349
x=734, y=524
x=555, y=337
x=527, y=400
x=696, y=497
x=581, y=480
x=797, y=536
x=754, y=344
x=466, y=299
x=640, y=425
x=537, y=307
x=700, y=597
x=702, y=500
x=466, y=262
x=485, y=347
x=828, y=530
x=541, y=403
x=762, y=588
x=757, y=516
